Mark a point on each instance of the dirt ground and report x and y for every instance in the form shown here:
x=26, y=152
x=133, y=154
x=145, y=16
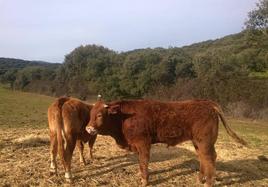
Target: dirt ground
x=24, y=153
x=24, y=161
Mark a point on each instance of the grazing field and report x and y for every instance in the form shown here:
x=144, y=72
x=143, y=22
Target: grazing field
x=24, y=153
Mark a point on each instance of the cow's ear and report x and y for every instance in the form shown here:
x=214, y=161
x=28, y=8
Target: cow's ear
x=114, y=109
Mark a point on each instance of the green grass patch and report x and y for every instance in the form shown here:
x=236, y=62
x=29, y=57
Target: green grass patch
x=20, y=109
x=259, y=74
x=28, y=110
x=254, y=133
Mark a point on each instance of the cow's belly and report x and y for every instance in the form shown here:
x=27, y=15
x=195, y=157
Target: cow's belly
x=171, y=135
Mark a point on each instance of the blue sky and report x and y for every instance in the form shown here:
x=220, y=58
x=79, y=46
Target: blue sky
x=49, y=29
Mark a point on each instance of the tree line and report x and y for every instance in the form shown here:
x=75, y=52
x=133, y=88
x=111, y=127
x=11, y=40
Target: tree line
x=232, y=71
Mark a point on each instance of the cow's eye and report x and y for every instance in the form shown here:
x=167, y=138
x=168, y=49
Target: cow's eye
x=99, y=115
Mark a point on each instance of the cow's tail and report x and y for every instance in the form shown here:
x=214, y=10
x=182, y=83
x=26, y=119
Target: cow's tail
x=227, y=127
x=60, y=128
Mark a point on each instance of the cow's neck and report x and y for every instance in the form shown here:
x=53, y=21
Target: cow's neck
x=115, y=131
x=116, y=125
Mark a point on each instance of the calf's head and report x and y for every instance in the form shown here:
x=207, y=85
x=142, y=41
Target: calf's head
x=100, y=115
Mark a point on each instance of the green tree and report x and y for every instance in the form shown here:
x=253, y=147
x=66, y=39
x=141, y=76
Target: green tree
x=258, y=18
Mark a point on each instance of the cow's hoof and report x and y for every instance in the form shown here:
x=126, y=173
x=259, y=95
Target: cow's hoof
x=84, y=163
x=90, y=161
x=208, y=185
x=144, y=182
x=52, y=171
x=201, y=179
x=68, y=177
x=69, y=181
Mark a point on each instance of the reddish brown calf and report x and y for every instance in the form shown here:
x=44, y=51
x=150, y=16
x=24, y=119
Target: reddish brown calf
x=67, y=119
x=136, y=124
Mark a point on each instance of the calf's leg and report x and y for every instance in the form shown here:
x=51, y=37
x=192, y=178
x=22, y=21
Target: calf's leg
x=144, y=156
x=91, y=142
x=80, y=146
x=53, y=153
x=204, y=139
x=201, y=175
x=68, y=153
x=208, y=160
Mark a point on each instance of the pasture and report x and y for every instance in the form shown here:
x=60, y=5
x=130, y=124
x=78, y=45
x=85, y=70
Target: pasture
x=24, y=153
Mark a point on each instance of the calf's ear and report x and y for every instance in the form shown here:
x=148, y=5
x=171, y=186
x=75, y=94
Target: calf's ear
x=114, y=109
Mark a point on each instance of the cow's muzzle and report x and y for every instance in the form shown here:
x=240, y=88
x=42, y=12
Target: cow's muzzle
x=91, y=130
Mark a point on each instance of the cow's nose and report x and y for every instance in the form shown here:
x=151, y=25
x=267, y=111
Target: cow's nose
x=91, y=130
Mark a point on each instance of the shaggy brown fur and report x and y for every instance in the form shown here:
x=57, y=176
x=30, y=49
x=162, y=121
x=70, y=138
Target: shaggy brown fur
x=136, y=124
x=67, y=119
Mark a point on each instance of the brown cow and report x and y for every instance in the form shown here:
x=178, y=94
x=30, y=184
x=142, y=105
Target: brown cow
x=136, y=124
x=67, y=119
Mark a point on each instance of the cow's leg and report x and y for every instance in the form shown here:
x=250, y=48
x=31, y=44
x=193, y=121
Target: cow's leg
x=91, y=142
x=80, y=146
x=53, y=153
x=208, y=160
x=68, y=153
x=144, y=156
x=201, y=176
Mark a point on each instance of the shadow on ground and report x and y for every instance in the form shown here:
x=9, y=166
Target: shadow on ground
x=28, y=143
x=228, y=173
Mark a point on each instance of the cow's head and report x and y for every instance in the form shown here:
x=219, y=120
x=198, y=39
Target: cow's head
x=100, y=115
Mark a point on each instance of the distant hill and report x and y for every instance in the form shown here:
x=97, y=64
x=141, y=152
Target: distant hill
x=17, y=64
x=34, y=76
x=247, y=48
x=239, y=41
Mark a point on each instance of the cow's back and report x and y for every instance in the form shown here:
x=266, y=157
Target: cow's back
x=166, y=122
x=54, y=112
x=75, y=115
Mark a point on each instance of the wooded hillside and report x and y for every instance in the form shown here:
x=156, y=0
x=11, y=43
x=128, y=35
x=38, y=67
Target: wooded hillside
x=232, y=70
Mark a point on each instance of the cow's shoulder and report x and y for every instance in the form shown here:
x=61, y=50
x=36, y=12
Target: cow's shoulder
x=57, y=104
x=76, y=104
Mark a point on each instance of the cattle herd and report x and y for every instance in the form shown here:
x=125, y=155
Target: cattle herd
x=135, y=125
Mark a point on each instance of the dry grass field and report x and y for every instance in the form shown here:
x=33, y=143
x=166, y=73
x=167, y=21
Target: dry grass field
x=24, y=153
